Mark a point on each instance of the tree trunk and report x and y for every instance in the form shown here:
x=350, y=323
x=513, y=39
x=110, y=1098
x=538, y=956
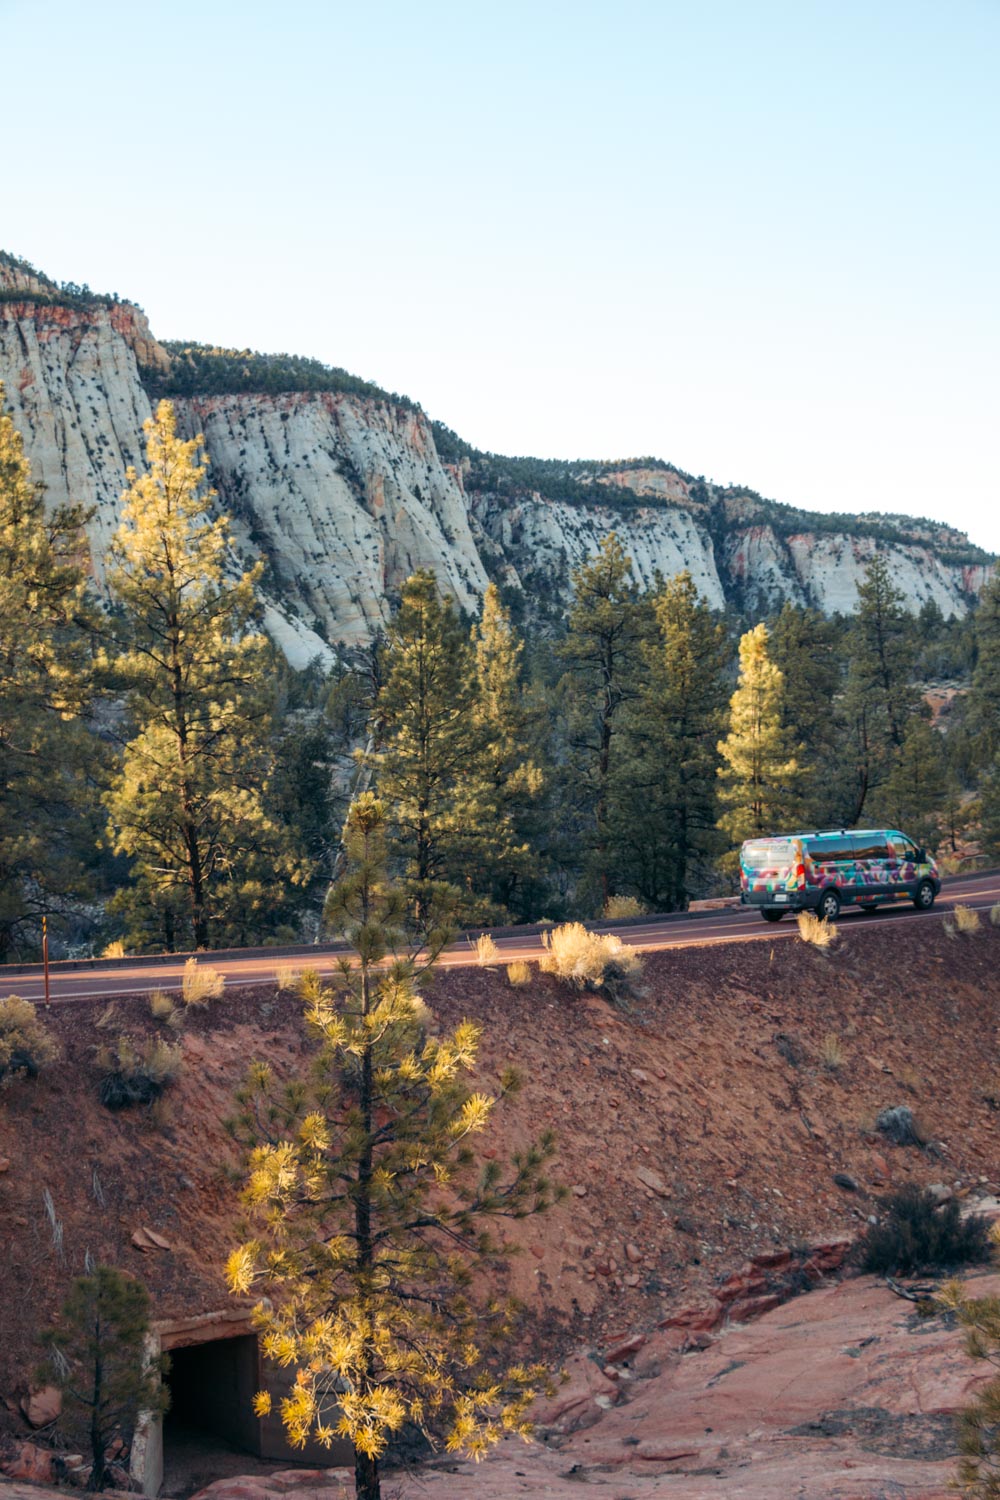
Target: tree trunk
x=367, y=1485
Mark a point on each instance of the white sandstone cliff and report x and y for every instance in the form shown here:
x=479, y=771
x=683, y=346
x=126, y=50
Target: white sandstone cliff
x=343, y=496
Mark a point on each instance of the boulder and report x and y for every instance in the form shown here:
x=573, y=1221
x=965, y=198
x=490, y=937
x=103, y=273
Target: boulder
x=41, y=1407
x=32, y=1462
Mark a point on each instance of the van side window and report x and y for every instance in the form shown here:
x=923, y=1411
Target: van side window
x=873, y=846
x=822, y=851
x=901, y=848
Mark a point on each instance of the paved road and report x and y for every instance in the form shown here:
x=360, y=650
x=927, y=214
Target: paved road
x=120, y=977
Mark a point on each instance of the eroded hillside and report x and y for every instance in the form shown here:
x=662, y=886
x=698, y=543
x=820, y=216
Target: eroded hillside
x=698, y=1124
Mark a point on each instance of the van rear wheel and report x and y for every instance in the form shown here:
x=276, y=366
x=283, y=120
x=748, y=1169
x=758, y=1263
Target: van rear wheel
x=772, y=916
x=829, y=906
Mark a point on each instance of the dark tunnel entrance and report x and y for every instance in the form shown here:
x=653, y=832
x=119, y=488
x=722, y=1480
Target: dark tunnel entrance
x=210, y=1427
x=211, y=1431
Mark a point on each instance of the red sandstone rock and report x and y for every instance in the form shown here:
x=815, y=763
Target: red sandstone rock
x=42, y=1407
x=33, y=1463
x=623, y=1348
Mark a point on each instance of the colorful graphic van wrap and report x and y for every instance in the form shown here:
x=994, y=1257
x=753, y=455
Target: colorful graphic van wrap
x=824, y=871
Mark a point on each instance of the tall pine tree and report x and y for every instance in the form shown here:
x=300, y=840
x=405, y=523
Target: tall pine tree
x=189, y=805
x=984, y=695
x=665, y=789
x=879, y=696
x=759, y=775
x=426, y=733
x=44, y=684
x=369, y=1206
x=603, y=653
x=501, y=792
x=804, y=646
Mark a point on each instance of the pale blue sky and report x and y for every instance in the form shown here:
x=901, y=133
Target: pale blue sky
x=760, y=241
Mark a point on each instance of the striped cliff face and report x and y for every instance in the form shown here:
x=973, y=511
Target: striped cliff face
x=344, y=495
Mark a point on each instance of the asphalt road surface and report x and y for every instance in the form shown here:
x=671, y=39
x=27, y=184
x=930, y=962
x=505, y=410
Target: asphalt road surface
x=109, y=977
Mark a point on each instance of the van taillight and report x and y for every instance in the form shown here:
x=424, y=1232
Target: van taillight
x=800, y=872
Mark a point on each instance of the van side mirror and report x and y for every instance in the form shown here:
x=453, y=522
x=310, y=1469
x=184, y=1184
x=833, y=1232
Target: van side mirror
x=921, y=856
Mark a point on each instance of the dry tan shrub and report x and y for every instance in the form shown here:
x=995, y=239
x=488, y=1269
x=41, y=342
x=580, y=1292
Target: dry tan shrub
x=286, y=977
x=910, y=1079
x=966, y=919
x=134, y=1075
x=812, y=930
x=618, y=908
x=487, y=952
x=25, y=1044
x=519, y=973
x=831, y=1053
x=114, y=950
x=201, y=983
x=586, y=960
x=161, y=1007
x=995, y=915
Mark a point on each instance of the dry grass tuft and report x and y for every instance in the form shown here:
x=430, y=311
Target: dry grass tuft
x=287, y=977
x=487, y=952
x=819, y=934
x=966, y=919
x=910, y=1079
x=137, y=1075
x=618, y=908
x=995, y=915
x=831, y=1053
x=519, y=973
x=162, y=1008
x=201, y=983
x=114, y=950
x=25, y=1044
x=586, y=960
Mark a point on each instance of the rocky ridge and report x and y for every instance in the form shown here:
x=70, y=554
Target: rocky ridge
x=344, y=490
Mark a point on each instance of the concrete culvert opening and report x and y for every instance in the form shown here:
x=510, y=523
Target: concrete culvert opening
x=211, y=1420
x=211, y=1431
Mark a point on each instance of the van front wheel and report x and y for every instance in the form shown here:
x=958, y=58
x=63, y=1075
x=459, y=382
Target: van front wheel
x=924, y=898
x=829, y=906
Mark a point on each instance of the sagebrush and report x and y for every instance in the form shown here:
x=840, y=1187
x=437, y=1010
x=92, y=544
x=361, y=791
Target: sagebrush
x=487, y=952
x=831, y=1053
x=587, y=960
x=201, y=983
x=813, y=930
x=162, y=1008
x=25, y=1044
x=137, y=1074
x=620, y=908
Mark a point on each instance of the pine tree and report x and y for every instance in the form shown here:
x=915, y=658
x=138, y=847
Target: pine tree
x=979, y=1424
x=44, y=685
x=97, y=1357
x=805, y=648
x=500, y=794
x=607, y=625
x=665, y=791
x=759, y=774
x=189, y=805
x=368, y=1203
x=879, y=697
x=914, y=795
x=425, y=731
x=882, y=649
x=984, y=695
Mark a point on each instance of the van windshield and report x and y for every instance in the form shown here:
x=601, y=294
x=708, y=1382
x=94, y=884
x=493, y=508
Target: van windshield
x=768, y=853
